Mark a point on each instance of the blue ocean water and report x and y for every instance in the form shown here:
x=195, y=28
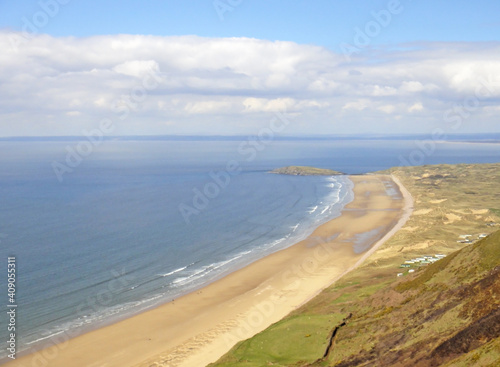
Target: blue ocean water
x=139, y=223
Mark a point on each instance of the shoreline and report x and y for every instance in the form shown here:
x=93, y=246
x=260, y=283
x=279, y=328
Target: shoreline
x=200, y=327
x=407, y=210
x=71, y=333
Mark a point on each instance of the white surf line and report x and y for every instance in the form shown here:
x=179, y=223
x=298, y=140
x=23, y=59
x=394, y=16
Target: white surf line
x=407, y=211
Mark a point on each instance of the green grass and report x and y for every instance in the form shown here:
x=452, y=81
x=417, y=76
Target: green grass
x=429, y=272
x=301, y=338
x=495, y=211
x=490, y=251
x=345, y=297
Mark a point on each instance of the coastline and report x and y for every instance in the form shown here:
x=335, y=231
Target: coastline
x=198, y=328
x=407, y=210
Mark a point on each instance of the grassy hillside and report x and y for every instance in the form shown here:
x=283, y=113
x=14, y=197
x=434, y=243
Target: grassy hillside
x=448, y=311
x=276, y=343
x=443, y=312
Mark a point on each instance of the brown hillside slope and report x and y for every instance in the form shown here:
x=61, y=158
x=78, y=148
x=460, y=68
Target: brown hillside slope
x=440, y=314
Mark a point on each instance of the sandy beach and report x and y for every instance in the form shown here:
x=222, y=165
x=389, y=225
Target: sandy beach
x=199, y=328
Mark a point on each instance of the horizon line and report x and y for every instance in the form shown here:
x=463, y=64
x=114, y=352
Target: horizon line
x=491, y=136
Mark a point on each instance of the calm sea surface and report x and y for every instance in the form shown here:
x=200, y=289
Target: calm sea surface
x=138, y=223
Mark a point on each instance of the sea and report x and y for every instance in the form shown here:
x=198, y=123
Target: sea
x=103, y=231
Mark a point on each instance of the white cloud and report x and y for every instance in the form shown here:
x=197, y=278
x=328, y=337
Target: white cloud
x=73, y=113
x=416, y=107
x=387, y=108
x=412, y=86
x=359, y=105
x=383, y=91
x=101, y=102
x=60, y=86
x=208, y=107
x=268, y=105
x=137, y=68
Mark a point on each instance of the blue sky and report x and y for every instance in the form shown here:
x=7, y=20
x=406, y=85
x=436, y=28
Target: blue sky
x=441, y=49
x=322, y=22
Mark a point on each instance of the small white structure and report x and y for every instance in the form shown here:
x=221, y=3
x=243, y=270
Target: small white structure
x=465, y=236
x=483, y=235
x=400, y=274
x=439, y=256
x=411, y=271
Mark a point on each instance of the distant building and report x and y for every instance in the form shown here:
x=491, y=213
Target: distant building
x=405, y=266
x=411, y=271
x=400, y=274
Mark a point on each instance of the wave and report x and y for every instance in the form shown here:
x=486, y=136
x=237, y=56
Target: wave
x=206, y=270
x=177, y=270
x=45, y=337
x=104, y=315
x=159, y=276
x=313, y=209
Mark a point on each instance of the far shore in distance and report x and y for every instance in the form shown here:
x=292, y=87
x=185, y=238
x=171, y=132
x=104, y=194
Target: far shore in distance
x=305, y=171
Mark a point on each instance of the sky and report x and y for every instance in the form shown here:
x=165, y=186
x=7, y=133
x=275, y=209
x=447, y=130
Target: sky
x=224, y=67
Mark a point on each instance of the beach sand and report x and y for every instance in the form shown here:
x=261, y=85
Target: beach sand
x=200, y=327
